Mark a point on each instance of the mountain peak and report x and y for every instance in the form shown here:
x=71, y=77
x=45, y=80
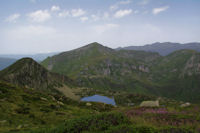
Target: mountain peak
x=27, y=72
x=27, y=62
x=94, y=44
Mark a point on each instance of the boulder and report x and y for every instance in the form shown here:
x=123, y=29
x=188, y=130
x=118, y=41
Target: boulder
x=88, y=104
x=185, y=104
x=150, y=104
x=44, y=99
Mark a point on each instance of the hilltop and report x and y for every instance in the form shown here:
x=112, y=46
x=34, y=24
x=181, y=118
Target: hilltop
x=28, y=73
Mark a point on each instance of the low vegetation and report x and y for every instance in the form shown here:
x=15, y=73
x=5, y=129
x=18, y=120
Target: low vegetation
x=25, y=110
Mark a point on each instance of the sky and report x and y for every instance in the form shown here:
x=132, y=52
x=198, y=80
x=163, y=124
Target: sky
x=42, y=26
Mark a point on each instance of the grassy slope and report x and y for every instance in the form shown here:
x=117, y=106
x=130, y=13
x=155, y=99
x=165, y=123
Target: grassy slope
x=25, y=108
x=99, y=67
x=178, y=75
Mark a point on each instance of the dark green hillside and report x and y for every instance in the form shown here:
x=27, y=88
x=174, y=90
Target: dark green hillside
x=178, y=74
x=100, y=67
x=95, y=66
x=26, y=72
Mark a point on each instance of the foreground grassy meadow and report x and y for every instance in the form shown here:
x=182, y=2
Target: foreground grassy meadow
x=24, y=110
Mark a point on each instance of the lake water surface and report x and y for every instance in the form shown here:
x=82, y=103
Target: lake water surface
x=98, y=98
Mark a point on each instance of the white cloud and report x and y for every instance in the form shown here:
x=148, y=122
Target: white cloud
x=25, y=32
x=113, y=7
x=64, y=14
x=160, y=9
x=32, y=1
x=116, y=5
x=77, y=12
x=105, y=27
x=83, y=19
x=12, y=18
x=30, y=38
x=144, y=2
x=122, y=13
x=125, y=2
x=95, y=17
x=136, y=12
x=39, y=16
x=55, y=8
x=106, y=15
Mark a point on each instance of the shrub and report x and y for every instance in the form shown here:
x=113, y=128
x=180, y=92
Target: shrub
x=91, y=123
x=132, y=129
x=98, y=122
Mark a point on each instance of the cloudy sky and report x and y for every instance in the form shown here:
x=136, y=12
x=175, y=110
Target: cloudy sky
x=40, y=26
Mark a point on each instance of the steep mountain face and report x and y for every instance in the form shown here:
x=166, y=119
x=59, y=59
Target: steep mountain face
x=27, y=72
x=101, y=67
x=164, y=48
x=5, y=62
x=176, y=75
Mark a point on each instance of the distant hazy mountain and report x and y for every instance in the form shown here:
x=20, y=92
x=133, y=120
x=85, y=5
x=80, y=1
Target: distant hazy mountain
x=164, y=48
x=37, y=57
x=5, y=62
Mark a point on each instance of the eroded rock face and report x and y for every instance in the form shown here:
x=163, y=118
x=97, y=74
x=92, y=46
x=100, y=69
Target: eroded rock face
x=106, y=71
x=143, y=68
x=50, y=66
x=192, y=66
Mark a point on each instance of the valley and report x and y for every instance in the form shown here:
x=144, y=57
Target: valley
x=46, y=97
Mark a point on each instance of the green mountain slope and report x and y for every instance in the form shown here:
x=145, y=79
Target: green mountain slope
x=101, y=67
x=176, y=75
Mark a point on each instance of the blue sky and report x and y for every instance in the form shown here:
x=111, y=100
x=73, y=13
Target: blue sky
x=40, y=26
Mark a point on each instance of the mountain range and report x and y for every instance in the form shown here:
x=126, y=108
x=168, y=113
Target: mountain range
x=46, y=97
x=95, y=66
x=38, y=57
x=164, y=48
x=5, y=62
